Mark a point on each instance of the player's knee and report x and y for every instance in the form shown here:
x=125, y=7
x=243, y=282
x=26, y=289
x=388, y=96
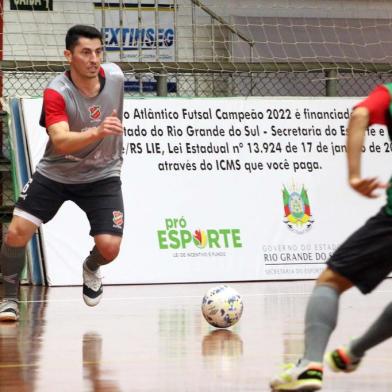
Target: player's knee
x=17, y=236
x=334, y=279
x=108, y=246
x=109, y=251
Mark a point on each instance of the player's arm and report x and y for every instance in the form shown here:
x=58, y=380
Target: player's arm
x=356, y=130
x=368, y=112
x=65, y=141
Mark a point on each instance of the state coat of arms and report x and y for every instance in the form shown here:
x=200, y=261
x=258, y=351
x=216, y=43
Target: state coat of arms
x=298, y=217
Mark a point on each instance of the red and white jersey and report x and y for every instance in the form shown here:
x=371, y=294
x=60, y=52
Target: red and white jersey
x=64, y=102
x=378, y=103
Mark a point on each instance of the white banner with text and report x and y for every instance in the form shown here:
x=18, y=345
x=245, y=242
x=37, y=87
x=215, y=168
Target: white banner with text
x=137, y=31
x=223, y=189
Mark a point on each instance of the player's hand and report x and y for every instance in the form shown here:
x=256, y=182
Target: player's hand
x=367, y=186
x=111, y=125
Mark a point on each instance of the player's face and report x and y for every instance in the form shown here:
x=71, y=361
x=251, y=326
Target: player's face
x=85, y=58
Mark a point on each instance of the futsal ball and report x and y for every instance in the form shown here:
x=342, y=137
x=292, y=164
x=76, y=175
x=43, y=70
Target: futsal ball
x=222, y=306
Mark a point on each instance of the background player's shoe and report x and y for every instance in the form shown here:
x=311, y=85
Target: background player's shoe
x=339, y=360
x=92, y=286
x=9, y=310
x=299, y=378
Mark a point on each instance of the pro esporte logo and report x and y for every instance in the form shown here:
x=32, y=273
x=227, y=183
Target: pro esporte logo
x=298, y=217
x=177, y=235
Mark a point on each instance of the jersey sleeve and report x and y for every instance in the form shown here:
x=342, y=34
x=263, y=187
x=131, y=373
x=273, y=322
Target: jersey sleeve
x=377, y=103
x=53, y=108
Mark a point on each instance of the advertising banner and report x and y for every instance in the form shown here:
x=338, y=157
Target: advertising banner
x=229, y=189
x=31, y=5
x=137, y=32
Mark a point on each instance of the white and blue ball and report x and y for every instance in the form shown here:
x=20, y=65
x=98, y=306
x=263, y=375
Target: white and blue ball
x=222, y=306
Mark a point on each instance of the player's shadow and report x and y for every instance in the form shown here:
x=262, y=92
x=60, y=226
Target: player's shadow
x=93, y=372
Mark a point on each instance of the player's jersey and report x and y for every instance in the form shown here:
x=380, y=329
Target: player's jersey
x=379, y=104
x=98, y=160
x=388, y=115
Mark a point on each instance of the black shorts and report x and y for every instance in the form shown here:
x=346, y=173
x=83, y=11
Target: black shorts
x=101, y=200
x=365, y=258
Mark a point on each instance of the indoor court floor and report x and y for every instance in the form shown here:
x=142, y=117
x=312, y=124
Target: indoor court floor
x=154, y=338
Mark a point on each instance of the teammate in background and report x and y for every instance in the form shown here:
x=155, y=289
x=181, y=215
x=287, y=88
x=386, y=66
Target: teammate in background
x=363, y=260
x=82, y=112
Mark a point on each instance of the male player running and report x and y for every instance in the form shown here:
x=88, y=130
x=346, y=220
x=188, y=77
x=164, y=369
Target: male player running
x=82, y=113
x=363, y=260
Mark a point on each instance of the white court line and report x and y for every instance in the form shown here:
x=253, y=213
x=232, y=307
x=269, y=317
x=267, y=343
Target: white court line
x=163, y=297
x=105, y=299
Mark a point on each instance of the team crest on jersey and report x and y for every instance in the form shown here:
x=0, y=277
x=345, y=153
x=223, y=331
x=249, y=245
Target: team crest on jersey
x=118, y=219
x=95, y=112
x=298, y=217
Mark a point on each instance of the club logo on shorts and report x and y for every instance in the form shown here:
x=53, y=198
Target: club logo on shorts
x=118, y=219
x=95, y=112
x=298, y=217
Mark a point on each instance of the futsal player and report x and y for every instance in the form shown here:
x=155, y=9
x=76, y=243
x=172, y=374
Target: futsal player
x=363, y=260
x=82, y=113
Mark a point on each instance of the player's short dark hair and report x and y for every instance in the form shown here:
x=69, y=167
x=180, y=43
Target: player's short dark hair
x=77, y=31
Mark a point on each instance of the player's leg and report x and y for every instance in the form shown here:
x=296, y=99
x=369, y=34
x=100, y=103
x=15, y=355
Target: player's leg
x=379, y=264
x=348, y=357
x=106, y=249
x=377, y=333
x=320, y=321
x=38, y=202
x=321, y=314
x=359, y=262
x=104, y=252
x=12, y=261
x=103, y=203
